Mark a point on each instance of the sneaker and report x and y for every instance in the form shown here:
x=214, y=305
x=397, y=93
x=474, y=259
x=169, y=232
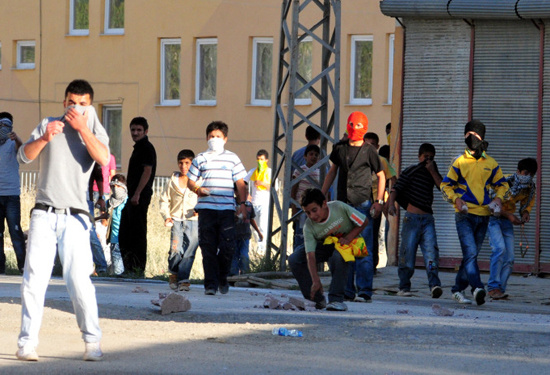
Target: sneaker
x=337, y=306
x=436, y=291
x=184, y=287
x=173, y=282
x=210, y=292
x=459, y=297
x=497, y=294
x=363, y=298
x=320, y=305
x=27, y=353
x=93, y=352
x=224, y=288
x=348, y=298
x=479, y=296
x=404, y=293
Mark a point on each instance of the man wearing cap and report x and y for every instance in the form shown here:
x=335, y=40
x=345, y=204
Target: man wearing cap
x=10, y=189
x=355, y=161
x=467, y=186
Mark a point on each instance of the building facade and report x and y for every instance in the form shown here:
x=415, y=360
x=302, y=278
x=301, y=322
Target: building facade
x=180, y=64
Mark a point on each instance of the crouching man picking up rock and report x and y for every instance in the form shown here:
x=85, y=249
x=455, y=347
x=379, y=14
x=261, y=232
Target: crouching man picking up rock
x=331, y=234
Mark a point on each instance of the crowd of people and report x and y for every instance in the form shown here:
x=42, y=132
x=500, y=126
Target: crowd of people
x=212, y=202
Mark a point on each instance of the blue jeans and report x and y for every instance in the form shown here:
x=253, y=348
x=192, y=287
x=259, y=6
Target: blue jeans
x=184, y=239
x=10, y=210
x=116, y=259
x=217, y=242
x=241, y=260
x=471, y=231
x=363, y=267
x=501, y=237
x=298, y=226
x=418, y=230
x=97, y=249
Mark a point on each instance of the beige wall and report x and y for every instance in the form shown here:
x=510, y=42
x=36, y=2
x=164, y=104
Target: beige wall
x=125, y=69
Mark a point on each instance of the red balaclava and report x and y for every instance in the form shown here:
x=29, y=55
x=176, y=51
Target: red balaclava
x=357, y=118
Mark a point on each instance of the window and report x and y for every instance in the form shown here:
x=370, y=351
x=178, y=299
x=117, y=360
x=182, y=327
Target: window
x=112, y=121
x=305, y=61
x=114, y=17
x=205, y=80
x=391, y=49
x=262, y=67
x=79, y=23
x=361, y=70
x=25, y=54
x=170, y=71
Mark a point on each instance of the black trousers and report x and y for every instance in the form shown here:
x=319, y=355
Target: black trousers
x=133, y=234
x=217, y=243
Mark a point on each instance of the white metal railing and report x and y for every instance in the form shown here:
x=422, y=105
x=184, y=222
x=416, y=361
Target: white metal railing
x=28, y=182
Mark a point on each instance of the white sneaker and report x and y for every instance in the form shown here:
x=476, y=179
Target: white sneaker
x=479, y=296
x=404, y=293
x=27, y=353
x=337, y=306
x=93, y=352
x=459, y=297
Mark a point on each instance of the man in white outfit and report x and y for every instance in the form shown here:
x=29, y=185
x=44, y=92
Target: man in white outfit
x=67, y=147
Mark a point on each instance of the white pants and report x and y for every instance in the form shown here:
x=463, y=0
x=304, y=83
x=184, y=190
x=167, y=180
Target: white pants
x=71, y=235
x=261, y=212
x=382, y=254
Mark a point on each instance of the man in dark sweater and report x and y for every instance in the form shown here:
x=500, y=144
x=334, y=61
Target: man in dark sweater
x=414, y=192
x=141, y=174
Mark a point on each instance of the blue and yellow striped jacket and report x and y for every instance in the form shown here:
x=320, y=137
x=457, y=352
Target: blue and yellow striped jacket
x=470, y=179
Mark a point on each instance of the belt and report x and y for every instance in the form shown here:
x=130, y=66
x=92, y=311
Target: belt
x=63, y=211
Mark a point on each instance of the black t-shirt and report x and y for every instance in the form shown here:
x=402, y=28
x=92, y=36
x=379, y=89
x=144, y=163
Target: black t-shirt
x=355, y=167
x=415, y=186
x=144, y=154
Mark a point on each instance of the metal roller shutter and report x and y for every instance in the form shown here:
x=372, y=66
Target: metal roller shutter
x=545, y=167
x=506, y=77
x=435, y=106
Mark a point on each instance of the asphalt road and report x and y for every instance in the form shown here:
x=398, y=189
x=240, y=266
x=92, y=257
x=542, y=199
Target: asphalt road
x=231, y=334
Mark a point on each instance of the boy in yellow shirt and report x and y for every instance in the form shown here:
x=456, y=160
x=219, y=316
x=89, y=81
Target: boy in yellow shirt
x=467, y=186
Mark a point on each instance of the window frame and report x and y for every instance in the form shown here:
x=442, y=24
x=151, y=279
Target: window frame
x=305, y=101
x=391, y=54
x=72, y=30
x=255, y=42
x=0, y=55
x=21, y=65
x=198, y=101
x=106, y=28
x=354, y=39
x=164, y=42
x=104, y=117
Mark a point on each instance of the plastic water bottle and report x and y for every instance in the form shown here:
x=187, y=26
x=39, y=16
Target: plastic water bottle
x=282, y=331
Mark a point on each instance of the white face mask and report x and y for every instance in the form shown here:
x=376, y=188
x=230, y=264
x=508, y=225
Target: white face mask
x=79, y=108
x=216, y=144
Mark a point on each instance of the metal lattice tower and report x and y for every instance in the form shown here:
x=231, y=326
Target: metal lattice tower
x=322, y=86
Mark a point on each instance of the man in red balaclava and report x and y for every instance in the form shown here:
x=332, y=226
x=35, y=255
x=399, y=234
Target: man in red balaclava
x=355, y=161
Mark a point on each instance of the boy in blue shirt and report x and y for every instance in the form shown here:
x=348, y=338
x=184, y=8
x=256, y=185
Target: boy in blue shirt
x=117, y=201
